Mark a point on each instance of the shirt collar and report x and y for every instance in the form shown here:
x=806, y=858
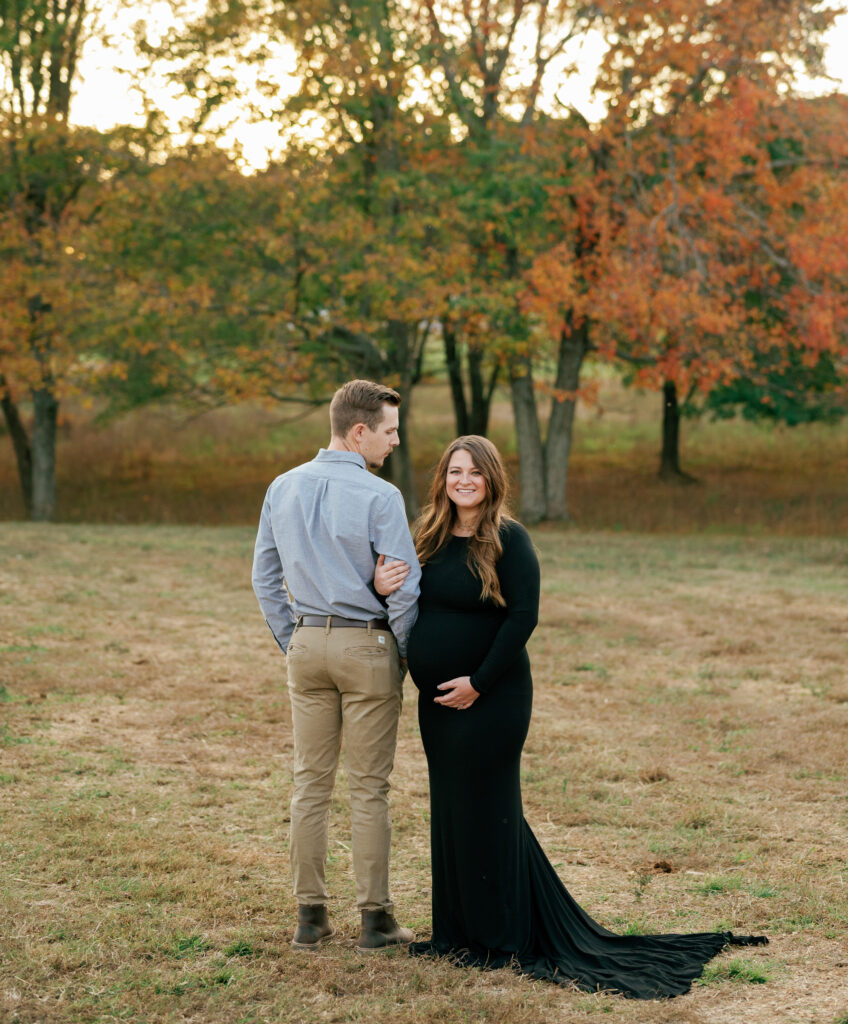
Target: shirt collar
x=325, y=455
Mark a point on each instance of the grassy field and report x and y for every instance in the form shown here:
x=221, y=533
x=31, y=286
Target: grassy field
x=161, y=465
x=687, y=769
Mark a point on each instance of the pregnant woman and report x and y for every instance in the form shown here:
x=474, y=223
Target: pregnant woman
x=497, y=901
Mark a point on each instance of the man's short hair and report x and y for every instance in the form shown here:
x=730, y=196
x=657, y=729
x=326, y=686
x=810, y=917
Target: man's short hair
x=359, y=401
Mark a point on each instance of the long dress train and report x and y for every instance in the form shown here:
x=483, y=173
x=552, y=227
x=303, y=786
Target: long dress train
x=497, y=900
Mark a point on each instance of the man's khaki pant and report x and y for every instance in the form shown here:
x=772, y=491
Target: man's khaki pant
x=349, y=681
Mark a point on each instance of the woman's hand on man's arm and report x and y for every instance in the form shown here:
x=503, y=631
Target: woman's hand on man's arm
x=389, y=576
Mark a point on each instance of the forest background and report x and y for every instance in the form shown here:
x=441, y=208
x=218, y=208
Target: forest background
x=438, y=212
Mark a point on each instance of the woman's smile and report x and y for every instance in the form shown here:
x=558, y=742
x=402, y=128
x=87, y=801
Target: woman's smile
x=465, y=484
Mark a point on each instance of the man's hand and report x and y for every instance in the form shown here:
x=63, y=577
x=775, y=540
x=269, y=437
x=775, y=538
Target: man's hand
x=459, y=693
x=389, y=576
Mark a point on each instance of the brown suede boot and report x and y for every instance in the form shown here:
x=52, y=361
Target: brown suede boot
x=380, y=930
x=313, y=927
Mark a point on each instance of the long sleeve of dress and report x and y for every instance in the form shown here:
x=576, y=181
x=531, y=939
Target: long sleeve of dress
x=518, y=572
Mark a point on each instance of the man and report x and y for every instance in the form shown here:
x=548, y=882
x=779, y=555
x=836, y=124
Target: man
x=322, y=527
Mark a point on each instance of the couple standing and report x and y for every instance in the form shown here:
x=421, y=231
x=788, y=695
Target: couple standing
x=460, y=603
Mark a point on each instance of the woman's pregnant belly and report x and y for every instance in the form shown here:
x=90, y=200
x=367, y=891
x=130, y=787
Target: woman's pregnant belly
x=448, y=642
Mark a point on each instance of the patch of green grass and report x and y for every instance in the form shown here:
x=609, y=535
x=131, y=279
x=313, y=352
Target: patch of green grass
x=185, y=946
x=736, y=970
x=50, y=629
x=796, y=922
x=807, y=773
x=9, y=739
x=599, y=670
x=714, y=885
x=239, y=947
x=631, y=926
x=763, y=891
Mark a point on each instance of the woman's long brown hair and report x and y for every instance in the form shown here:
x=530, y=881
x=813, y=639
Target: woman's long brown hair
x=433, y=527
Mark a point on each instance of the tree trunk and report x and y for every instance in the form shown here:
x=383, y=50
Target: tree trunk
x=403, y=476
x=45, y=414
x=405, y=359
x=21, y=445
x=481, y=393
x=473, y=419
x=670, y=456
x=531, y=455
x=572, y=350
x=453, y=361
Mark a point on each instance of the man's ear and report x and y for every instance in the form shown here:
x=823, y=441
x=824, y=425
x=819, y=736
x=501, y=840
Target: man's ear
x=357, y=432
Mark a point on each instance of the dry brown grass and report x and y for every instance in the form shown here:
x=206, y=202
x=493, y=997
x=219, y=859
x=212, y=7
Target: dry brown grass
x=686, y=770
x=163, y=466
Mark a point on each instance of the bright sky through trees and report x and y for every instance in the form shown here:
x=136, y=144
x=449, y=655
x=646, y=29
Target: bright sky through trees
x=104, y=96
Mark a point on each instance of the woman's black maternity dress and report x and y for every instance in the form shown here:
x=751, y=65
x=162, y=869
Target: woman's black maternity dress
x=497, y=900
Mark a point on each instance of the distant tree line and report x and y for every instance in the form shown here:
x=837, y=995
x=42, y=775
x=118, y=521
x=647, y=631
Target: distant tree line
x=694, y=237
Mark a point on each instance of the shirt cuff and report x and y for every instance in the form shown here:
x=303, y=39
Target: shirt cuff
x=274, y=635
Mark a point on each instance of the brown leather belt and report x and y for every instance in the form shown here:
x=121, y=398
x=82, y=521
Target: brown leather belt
x=337, y=622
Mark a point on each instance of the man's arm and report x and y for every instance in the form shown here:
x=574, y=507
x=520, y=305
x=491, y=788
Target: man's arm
x=268, y=582
x=392, y=539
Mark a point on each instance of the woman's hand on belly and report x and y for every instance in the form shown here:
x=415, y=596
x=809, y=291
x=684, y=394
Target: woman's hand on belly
x=457, y=693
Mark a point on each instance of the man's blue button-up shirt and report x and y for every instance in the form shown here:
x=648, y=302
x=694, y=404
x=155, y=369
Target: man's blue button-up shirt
x=322, y=527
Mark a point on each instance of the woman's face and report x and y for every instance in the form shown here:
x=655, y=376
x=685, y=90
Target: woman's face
x=465, y=484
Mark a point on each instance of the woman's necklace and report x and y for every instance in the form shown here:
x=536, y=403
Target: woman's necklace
x=461, y=530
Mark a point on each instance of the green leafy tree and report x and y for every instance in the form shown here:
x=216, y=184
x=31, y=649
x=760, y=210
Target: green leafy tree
x=489, y=79
x=50, y=182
